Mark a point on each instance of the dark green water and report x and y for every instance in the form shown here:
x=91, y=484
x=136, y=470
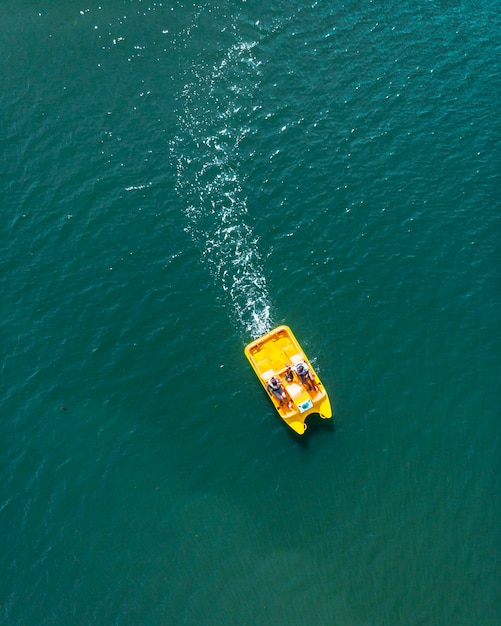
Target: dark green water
x=178, y=178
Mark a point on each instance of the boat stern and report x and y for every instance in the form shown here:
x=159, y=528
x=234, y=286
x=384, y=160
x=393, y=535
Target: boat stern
x=325, y=409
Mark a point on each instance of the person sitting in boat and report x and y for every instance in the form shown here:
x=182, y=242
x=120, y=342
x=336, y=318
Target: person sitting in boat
x=289, y=374
x=276, y=388
x=306, y=377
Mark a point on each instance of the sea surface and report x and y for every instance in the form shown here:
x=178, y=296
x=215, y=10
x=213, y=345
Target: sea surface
x=177, y=178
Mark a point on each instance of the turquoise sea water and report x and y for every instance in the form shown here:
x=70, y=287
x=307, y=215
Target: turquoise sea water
x=178, y=178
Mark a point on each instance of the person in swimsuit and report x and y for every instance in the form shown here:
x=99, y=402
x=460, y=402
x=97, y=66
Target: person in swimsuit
x=306, y=377
x=276, y=388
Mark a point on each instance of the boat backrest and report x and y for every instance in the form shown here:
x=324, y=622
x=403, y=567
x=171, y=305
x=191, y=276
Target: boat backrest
x=267, y=375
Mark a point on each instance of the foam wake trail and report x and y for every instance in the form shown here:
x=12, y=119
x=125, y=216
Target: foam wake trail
x=214, y=119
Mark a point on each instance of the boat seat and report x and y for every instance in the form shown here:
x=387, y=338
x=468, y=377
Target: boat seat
x=267, y=375
x=294, y=390
x=296, y=358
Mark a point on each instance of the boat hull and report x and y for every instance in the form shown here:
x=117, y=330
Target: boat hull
x=270, y=356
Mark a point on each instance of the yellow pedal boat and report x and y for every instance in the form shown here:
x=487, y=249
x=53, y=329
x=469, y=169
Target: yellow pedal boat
x=288, y=377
